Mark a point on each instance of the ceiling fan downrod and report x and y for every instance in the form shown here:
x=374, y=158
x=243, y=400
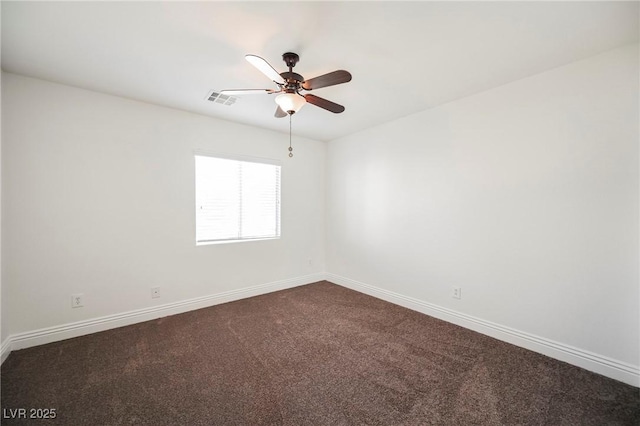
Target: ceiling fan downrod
x=292, y=80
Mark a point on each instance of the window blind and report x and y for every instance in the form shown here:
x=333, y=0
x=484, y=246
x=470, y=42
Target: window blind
x=236, y=200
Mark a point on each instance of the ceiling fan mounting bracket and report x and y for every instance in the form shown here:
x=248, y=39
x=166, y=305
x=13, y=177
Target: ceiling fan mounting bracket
x=291, y=59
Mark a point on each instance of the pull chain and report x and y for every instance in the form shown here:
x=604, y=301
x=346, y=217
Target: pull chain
x=290, y=148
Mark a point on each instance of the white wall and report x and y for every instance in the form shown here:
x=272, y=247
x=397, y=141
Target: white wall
x=99, y=199
x=525, y=196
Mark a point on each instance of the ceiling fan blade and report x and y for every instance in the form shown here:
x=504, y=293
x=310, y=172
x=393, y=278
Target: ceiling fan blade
x=280, y=113
x=265, y=68
x=234, y=92
x=323, y=103
x=331, y=79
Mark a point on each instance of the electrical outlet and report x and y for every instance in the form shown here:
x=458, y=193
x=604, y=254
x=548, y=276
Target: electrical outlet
x=77, y=300
x=310, y=262
x=155, y=292
x=456, y=293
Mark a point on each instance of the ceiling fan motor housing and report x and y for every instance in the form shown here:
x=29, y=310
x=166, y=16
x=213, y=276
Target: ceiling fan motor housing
x=293, y=79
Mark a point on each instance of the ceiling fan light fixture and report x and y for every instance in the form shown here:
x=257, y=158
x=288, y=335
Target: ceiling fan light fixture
x=290, y=102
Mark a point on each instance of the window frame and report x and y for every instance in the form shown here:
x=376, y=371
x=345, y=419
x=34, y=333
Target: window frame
x=239, y=158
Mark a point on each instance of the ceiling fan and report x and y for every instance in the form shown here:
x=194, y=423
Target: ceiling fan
x=290, y=84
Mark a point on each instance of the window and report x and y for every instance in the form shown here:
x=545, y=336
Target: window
x=236, y=200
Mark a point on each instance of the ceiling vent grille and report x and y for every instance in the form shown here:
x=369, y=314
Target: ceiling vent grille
x=221, y=99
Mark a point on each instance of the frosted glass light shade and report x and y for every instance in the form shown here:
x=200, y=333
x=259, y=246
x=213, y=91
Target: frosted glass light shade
x=290, y=102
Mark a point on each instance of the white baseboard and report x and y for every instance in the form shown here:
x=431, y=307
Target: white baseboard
x=603, y=365
x=81, y=328
x=5, y=349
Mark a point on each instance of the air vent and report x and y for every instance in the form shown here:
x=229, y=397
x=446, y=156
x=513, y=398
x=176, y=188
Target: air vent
x=221, y=99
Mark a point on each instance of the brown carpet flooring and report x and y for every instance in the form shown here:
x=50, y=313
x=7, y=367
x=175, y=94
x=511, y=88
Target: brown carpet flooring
x=313, y=355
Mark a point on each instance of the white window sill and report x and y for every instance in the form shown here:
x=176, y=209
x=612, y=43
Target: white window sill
x=208, y=243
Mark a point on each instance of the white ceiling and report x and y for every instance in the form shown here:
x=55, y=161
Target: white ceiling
x=404, y=56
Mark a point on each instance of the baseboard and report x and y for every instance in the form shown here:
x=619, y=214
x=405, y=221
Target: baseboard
x=603, y=365
x=81, y=328
x=5, y=349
